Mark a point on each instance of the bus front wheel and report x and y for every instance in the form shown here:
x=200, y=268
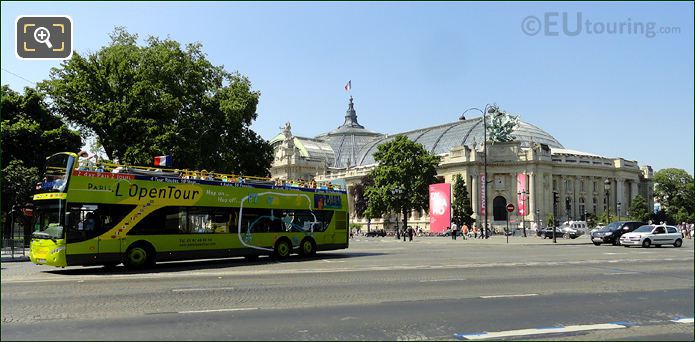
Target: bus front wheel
x=283, y=248
x=138, y=256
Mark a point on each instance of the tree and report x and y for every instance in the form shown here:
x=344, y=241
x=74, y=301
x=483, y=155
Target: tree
x=674, y=188
x=404, y=165
x=638, y=209
x=162, y=98
x=357, y=192
x=30, y=133
x=461, y=205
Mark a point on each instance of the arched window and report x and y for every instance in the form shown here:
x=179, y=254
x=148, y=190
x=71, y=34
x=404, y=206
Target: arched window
x=499, y=208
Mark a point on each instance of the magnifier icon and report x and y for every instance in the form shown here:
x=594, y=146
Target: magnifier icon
x=42, y=36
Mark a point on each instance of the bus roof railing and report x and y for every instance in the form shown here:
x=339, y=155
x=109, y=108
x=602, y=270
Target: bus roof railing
x=101, y=166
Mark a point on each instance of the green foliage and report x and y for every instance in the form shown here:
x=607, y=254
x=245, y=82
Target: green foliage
x=549, y=220
x=591, y=220
x=638, y=209
x=674, y=188
x=602, y=218
x=18, y=182
x=162, y=98
x=403, y=165
x=30, y=133
x=357, y=194
x=461, y=205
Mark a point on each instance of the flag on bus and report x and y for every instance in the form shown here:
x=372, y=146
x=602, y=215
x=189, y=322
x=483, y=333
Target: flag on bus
x=348, y=86
x=162, y=161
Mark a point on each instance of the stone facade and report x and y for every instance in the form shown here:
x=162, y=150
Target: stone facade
x=577, y=177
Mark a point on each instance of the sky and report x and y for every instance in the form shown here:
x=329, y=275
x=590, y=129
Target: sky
x=610, y=86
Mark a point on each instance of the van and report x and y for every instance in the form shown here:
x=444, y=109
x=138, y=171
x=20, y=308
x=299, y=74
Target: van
x=575, y=228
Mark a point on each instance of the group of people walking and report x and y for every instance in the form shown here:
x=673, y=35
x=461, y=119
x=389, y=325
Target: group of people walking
x=466, y=232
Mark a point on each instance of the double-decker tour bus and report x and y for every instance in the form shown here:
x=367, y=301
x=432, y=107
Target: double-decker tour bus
x=107, y=215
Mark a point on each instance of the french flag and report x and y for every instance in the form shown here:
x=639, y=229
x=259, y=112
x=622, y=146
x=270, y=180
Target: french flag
x=348, y=86
x=162, y=161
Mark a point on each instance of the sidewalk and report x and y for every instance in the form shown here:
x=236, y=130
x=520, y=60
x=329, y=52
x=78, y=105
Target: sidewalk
x=20, y=254
x=498, y=240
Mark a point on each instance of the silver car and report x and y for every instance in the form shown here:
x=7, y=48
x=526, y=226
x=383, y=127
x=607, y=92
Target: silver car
x=650, y=234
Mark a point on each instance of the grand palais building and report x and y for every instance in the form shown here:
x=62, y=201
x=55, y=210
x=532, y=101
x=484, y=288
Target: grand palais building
x=345, y=154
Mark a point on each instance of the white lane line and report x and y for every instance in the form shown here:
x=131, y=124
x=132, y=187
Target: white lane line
x=217, y=310
x=511, y=295
x=203, y=289
x=620, y=273
x=541, y=331
x=683, y=320
x=438, y=280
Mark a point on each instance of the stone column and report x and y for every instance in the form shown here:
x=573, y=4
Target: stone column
x=475, y=195
x=634, y=190
x=620, y=196
x=531, y=197
x=561, y=200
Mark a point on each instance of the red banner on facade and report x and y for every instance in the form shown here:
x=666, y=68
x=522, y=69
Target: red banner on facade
x=440, y=207
x=482, y=195
x=521, y=190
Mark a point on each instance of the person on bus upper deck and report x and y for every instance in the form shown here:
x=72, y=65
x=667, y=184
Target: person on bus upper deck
x=86, y=161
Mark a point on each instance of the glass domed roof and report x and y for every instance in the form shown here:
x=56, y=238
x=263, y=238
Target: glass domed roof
x=440, y=139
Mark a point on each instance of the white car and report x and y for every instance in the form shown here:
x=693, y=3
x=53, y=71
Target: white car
x=650, y=234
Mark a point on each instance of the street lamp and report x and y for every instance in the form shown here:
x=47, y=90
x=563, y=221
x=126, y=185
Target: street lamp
x=538, y=219
x=396, y=193
x=523, y=222
x=489, y=109
x=607, y=187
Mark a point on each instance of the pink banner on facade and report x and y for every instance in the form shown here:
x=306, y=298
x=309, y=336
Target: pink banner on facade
x=482, y=195
x=521, y=190
x=440, y=207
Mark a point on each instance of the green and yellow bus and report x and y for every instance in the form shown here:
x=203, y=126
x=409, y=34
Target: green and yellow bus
x=137, y=215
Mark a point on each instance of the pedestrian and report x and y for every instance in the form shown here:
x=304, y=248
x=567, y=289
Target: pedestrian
x=464, y=231
x=453, y=230
x=475, y=231
x=410, y=233
x=405, y=233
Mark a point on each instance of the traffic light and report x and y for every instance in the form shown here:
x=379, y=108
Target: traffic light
x=556, y=197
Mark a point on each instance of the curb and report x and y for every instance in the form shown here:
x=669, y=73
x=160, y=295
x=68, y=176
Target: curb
x=11, y=259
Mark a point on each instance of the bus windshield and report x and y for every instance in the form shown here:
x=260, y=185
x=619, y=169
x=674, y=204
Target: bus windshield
x=58, y=168
x=47, y=221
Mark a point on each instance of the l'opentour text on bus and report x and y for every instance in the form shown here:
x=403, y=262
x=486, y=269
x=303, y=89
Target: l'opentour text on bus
x=136, y=216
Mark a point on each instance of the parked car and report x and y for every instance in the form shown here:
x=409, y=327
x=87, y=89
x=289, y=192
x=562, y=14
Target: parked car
x=375, y=233
x=560, y=232
x=613, y=231
x=445, y=233
x=650, y=234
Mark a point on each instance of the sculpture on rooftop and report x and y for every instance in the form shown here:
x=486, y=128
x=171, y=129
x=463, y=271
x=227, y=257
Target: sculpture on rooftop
x=500, y=126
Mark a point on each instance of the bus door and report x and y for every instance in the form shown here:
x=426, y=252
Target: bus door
x=86, y=222
x=82, y=230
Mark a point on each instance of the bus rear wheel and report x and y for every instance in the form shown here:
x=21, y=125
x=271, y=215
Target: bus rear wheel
x=138, y=256
x=283, y=248
x=307, y=248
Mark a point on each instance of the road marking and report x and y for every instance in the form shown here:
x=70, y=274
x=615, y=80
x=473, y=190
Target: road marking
x=259, y=272
x=438, y=280
x=683, y=320
x=611, y=253
x=620, y=273
x=540, y=331
x=203, y=289
x=217, y=310
x=510, y=295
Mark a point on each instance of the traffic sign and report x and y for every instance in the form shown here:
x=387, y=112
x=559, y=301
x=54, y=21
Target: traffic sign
x=510, y=207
